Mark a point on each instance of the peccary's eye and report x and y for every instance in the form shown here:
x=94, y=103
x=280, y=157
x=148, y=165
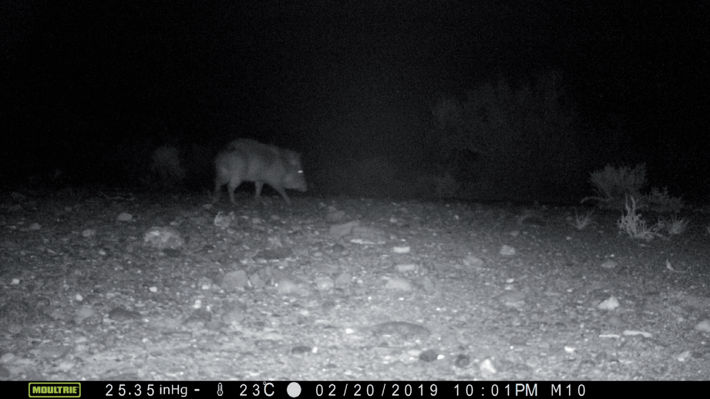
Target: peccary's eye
x=300, y=171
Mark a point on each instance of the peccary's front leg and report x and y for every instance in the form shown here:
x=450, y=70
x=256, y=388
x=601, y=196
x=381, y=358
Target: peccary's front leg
x=283, y=194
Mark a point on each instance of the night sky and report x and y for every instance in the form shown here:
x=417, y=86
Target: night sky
x=94, y=85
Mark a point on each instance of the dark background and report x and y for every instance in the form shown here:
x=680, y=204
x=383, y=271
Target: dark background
x=93, y=87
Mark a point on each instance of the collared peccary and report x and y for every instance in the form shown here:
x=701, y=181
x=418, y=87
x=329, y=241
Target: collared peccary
x=249, y=160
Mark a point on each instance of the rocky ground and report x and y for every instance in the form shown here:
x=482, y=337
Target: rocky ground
x=133, y=287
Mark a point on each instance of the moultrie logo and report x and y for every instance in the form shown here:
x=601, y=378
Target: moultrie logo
x=54, y=389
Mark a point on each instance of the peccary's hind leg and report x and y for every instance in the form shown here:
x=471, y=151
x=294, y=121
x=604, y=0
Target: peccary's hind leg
x=217, y=186
x=231, y=187
x=257, y=189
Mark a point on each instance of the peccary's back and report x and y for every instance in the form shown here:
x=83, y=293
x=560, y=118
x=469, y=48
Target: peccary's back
x=251, y=160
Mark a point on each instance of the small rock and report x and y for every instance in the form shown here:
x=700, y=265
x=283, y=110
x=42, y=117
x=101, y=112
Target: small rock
x=512, y=299
x=361, y=241
x=234, y=280
x=172, y=252
x=204, y=283
x=636, y=332
x=399, y=284
x=428, y=284
x=124, y=217
x=338, y=248
x=286, y=286
x=300, y=349
x=275, y=241
x=324, y=283
x=610, y=303
x=17, y=197
x=369, y=234
x=84, y=312
x=473, y=261
x=487, y=367
x=428, y=355
x=703, y=326
x=223, y=221
x=256, y=281
x=163, y=238
x=234, y=314
x=683, y=356
x=401, y=250
x=122, y=314
x=608, y=264
x=405, y=268
x=462, y=360
x=125, y=376
x=507, y=250
x=531, y=218
x=65, y=365
x=53, y=351
x=274, y=253
x=615, y=321
x=401, y=329
x=198, y=316
x=334, y=216
x=343, y=280
x=343, y=229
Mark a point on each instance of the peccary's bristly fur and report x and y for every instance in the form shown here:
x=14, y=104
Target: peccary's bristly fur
x=248, y=160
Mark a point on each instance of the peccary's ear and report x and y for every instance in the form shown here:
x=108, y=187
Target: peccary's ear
x=293, y=158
